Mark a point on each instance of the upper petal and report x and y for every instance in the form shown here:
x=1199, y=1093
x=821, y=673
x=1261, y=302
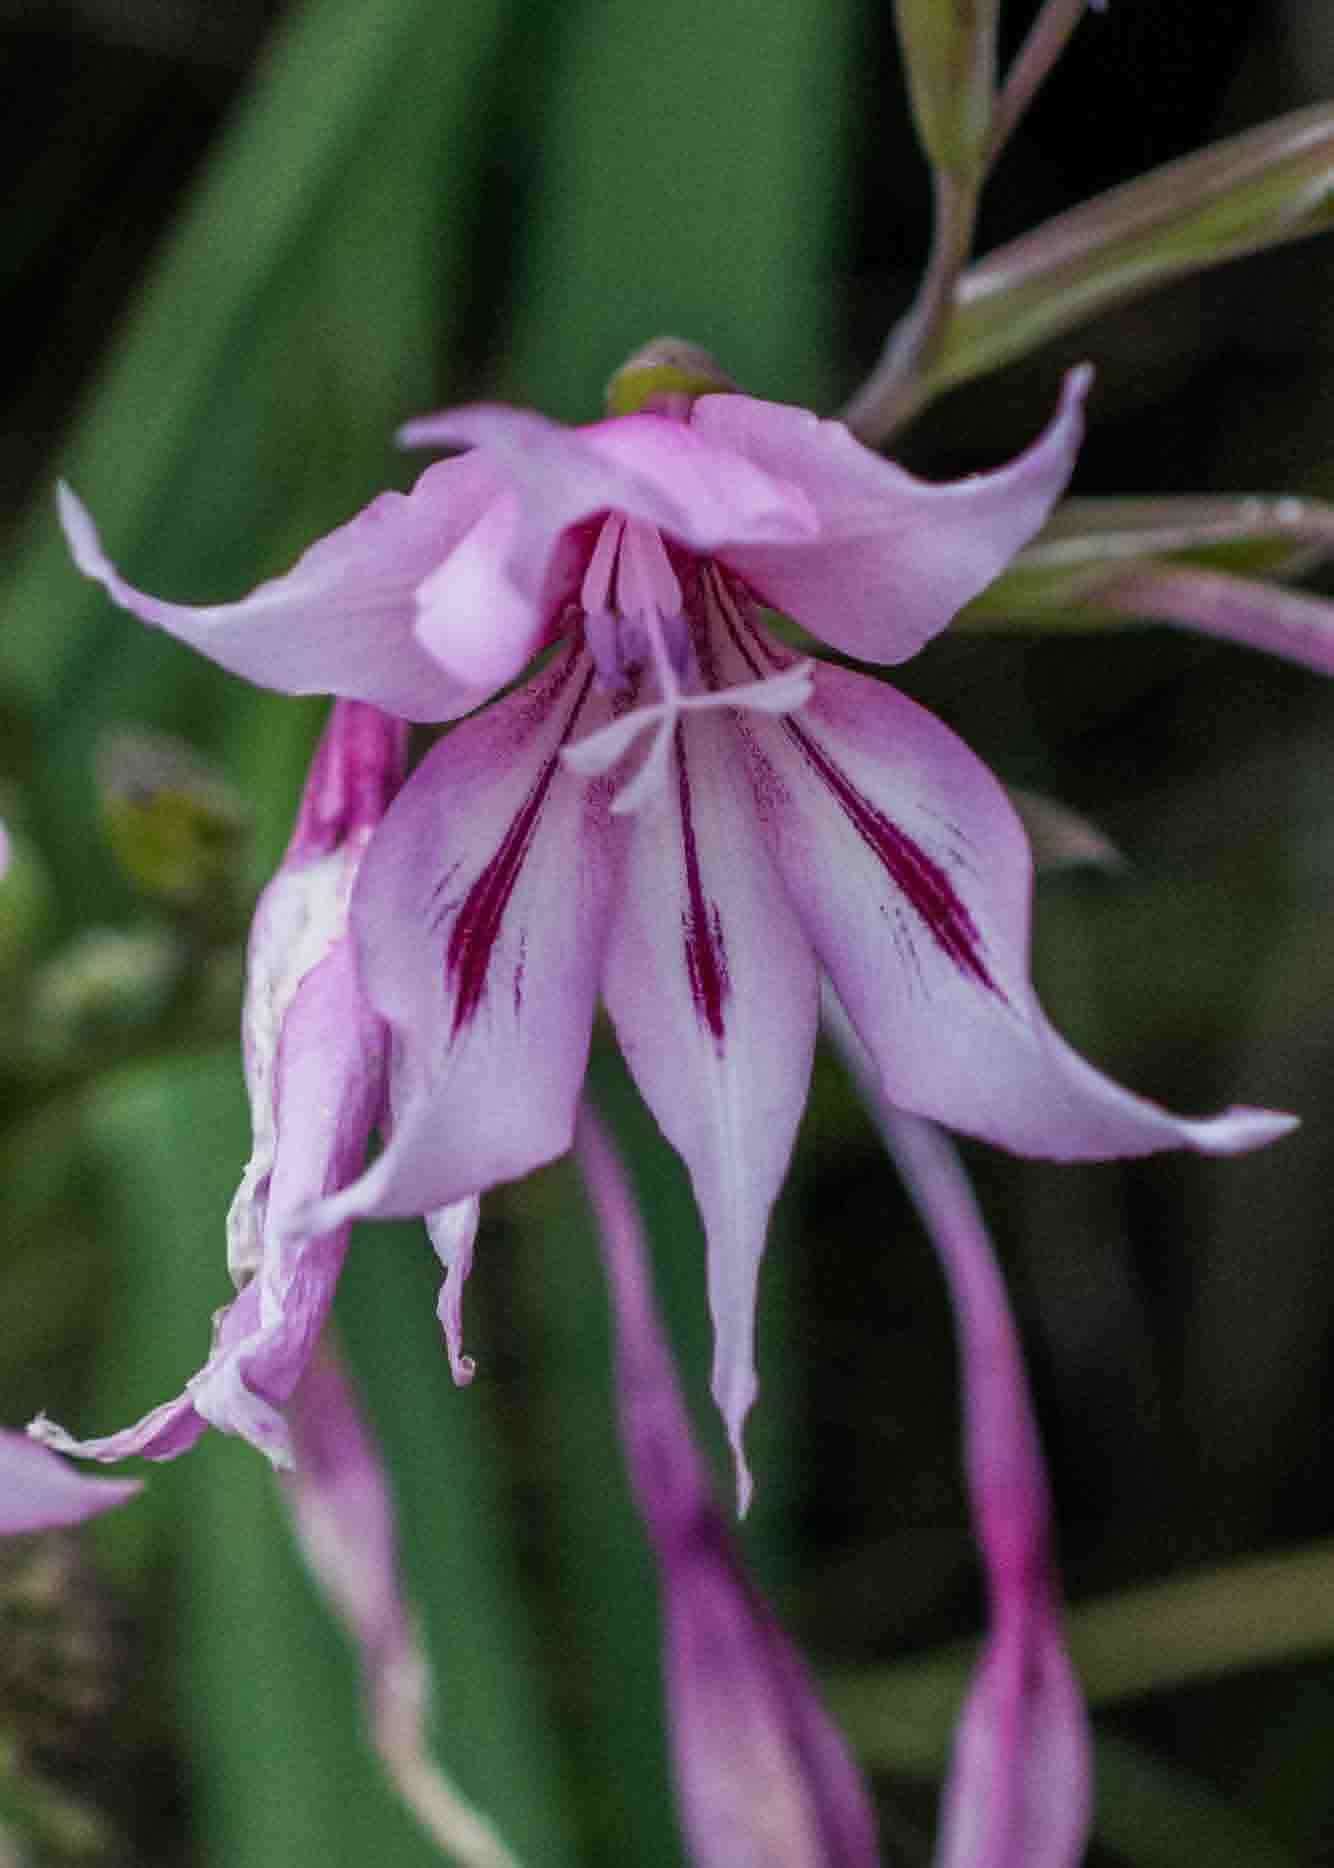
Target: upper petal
x=479, y=919
x=895, y=557
x=39, y=1492
x=713, y=991
x=341, y=621
x=910, y=874
x=699, y=489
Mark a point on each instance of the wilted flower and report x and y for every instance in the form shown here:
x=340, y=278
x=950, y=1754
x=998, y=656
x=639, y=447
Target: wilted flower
x=314, y=1055
x=675, y=811
x=763, y=1779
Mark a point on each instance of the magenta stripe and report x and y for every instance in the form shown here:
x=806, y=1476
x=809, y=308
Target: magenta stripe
x=916, y=875
x=706, y=959
x=477, y=925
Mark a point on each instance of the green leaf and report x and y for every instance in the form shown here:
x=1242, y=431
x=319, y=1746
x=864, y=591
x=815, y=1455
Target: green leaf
x=1157, y=1816
x=1253, y=191
x=691, y=169
x=342, y=71
x=949, y=51
x=1149, y=1639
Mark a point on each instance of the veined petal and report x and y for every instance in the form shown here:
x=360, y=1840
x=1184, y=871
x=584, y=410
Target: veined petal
x=895, y=557
x=479, y=918
x=713, y=991
x=341, y=621
x=911, y=876
x=39, y=1492
x=763, y=1778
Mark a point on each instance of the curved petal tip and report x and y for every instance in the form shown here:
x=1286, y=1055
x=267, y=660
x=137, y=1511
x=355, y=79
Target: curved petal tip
x=1236, y=1130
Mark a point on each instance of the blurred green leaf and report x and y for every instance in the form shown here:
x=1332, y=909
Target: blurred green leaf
x=949, y=50
x=692, y=167
x=1158, y=1816
x=1270, y=185
x=1143, y=1640
x=343, y=72
x=295, y=318
x=460, y=1538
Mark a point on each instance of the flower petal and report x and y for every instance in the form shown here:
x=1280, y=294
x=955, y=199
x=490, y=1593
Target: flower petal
x=895, y=557
x=39, y=1492
x=763, y=1778
x=712, y=988
x=911, y=876
x=698, y=489
x=341, y=621
x=479, y=920
x=1019, y=1792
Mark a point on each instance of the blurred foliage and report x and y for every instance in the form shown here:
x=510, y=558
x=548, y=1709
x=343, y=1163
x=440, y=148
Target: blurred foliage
x=241, y=252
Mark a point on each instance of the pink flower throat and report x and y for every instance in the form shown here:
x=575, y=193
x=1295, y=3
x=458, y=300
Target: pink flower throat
x=637, y=624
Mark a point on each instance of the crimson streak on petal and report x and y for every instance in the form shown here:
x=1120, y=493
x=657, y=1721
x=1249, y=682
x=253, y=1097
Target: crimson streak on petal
x=478, y=922
x=915, y=874
x=706, y=959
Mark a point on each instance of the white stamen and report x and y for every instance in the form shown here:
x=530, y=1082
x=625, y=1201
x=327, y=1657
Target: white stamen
x=595, y=595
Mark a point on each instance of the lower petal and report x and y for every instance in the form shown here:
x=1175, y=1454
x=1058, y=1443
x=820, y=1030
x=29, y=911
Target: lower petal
x=911, y=876
x=713, y=991
x=479, y=917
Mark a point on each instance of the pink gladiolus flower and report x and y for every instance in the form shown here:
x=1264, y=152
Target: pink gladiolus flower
x=676, y=811
x=763, y=1779
x=39, y=1492
x=314, y=1054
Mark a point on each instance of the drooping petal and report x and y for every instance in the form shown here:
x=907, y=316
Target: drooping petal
x=39, y=1492
x=895, y=557
x=328, y=1089
x=452, y=1231
x=910, y=874
x=712, y=988
x=342, y=620
x=763, y=1779
x=343, y=1519
x=300, y=919
x=479, y=920
x=1019, y=1792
